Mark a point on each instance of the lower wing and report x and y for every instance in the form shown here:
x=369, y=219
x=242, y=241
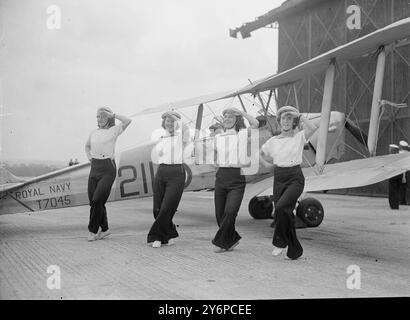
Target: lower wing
x=348, y=174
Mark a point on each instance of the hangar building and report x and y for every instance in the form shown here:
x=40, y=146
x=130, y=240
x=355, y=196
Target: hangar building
x=308, y=28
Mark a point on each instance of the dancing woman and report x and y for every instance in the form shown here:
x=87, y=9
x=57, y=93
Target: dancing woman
x=169, y=179
x=100, y=150
x=286, y=151
x=230, y=183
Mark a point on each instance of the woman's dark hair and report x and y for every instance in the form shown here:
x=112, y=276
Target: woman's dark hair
x=239, y=123
x=111, y=122
x=269, y=122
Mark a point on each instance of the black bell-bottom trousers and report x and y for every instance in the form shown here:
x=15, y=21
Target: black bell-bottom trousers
x=169, y=184
x=288, y=185
x=229, y=190
x=100, y=180
x=394, y=191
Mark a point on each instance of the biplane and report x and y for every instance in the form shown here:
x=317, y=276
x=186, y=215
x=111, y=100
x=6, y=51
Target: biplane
x=68, y=187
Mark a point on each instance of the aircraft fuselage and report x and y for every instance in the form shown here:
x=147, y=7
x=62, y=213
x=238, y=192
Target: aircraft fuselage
x=135, y=175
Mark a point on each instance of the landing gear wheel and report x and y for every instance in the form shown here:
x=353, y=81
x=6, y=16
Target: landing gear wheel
x=260, y=207
x=310, y=211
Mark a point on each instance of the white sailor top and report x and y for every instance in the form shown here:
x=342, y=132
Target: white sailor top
x=102, y=142
x=231, y=149
x=285, y=151
x=169, y=149
x=403, y=179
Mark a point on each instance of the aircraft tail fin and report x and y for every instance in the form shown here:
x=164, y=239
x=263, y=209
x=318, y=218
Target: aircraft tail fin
x=7, y=177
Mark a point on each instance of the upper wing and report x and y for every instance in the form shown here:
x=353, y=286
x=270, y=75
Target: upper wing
x=370, y=42
x=350, y=50
x=188, y=102
x=351, y=174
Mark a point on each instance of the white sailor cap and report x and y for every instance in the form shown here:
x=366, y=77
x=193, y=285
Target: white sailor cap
x=232, y=110
x=172, y=114
x=105, y=109
x=403, y=143
x=285, y=109
x=393, y=146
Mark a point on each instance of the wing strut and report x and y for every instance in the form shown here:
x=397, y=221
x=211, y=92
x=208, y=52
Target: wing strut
x=377, y=94
x=296, y=97
x=276, y=100
x=325, y=116
x=198, y=123
x=268, y=103
x=261, y=101
x=243, y=106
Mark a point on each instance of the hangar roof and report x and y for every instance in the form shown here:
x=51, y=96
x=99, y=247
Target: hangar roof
x=287, y=8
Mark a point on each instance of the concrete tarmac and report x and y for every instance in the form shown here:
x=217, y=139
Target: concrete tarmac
x=361, y=242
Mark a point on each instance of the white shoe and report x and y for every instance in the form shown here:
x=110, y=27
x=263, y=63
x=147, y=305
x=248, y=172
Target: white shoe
x=171, y=242
x=218, y=249
x=277, y=251
x=233, y=246
x=156, y=244
x=92, y=237
x=103, y=234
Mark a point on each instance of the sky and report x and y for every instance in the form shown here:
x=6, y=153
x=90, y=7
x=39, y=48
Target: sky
x=125, y=54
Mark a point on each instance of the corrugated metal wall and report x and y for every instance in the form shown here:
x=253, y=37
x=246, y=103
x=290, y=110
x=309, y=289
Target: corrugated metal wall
x=323, y=27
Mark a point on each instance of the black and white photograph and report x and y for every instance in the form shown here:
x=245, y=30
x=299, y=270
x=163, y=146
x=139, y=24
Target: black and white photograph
x=214, y=152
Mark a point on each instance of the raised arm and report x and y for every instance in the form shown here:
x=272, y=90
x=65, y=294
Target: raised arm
x=125, y=120
x=308, y=127
x=254, y=123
